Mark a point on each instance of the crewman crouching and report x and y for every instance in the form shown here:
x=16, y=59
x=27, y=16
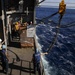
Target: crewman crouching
x=4, y=59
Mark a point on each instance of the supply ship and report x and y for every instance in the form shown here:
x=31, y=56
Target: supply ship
x=22, y=44
x=21, y=12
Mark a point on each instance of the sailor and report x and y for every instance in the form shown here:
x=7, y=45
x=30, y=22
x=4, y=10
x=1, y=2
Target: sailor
x=16, y=26
x=4, y=59
x=17, y=29
x=36, y=62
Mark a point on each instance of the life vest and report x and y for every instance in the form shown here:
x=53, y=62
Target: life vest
x=36, y=57
x=16, y=27
x=3, y=55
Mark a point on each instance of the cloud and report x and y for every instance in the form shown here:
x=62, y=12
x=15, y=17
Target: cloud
x=69, y=3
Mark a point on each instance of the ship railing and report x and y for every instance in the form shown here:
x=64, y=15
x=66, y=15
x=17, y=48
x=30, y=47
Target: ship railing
x=42, y=69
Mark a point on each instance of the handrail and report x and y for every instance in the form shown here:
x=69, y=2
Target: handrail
x=41, y=63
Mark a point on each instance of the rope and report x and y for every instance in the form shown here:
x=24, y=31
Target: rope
x=55, y=37
x=57, y=30
x=41, y=1
x=68, y=25
x=42, y=20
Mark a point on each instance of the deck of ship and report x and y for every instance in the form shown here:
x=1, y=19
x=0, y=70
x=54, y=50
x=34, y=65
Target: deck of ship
x=24, y=66
x=20, y=56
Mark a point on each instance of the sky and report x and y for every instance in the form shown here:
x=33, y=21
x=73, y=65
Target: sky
x=69, y=3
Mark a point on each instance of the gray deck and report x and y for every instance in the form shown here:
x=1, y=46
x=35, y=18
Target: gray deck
x=22, y=67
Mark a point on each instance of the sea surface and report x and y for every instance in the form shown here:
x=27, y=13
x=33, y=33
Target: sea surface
x=61, y=57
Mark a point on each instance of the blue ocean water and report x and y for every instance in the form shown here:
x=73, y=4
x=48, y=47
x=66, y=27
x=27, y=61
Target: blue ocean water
x=61, y=58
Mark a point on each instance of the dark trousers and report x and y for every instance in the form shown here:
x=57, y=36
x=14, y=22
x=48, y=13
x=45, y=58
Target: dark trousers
x=5, y=65
x=37, y=68
x=17, y=33
x=4, y=61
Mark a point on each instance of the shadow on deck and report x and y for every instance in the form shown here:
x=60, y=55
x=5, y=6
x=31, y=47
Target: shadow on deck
x=22, y=67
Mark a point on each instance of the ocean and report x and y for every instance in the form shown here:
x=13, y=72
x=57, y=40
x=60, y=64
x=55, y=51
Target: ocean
x=61, y=57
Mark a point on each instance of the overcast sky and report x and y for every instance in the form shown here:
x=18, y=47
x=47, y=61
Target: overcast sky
x=69, y=3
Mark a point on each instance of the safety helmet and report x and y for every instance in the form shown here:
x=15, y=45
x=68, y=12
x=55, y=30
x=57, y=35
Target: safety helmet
x=16, y=23
x=0, y=40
